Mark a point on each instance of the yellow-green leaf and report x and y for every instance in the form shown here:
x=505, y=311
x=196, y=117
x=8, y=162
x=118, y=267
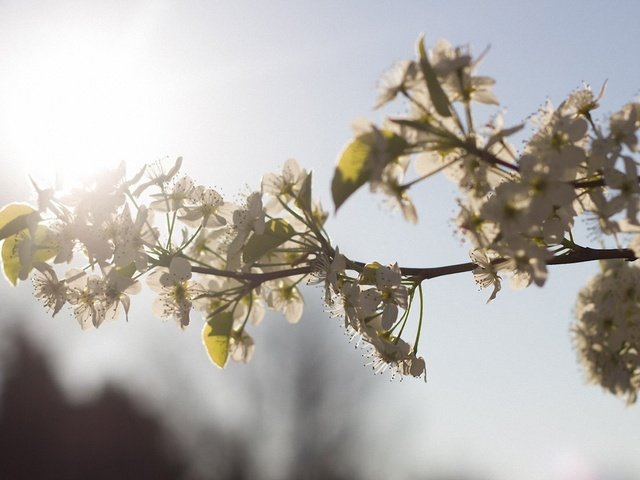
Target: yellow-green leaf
x=10, y=257
x=14, y=218
x=438, y=97
x=304, y=196
x=356, y=162
x=368, y=274
x=127, y=270
x=216, y=335
x=45, y=246
x=41, y=249
x=276, y=232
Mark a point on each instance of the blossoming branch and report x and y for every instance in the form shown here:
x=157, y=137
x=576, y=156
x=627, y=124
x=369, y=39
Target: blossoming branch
x=91, y=248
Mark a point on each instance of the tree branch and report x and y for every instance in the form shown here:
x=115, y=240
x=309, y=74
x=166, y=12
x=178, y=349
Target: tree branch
x=580, y=255
x=576, y=256
x=253, y=277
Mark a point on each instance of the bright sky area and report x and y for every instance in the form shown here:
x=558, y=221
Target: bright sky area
x=236, y=88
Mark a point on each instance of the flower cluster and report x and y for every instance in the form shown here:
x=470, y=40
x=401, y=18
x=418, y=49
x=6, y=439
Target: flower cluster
x=607, y=329
x=230, y=261
x=516, y=209
x=233, y=260
x=109, y=228
x=370, y=304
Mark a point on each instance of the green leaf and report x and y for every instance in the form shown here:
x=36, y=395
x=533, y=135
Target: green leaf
x=15, y=217
x=376, y=148
x=438, y=97
x=42, y=248
x=304, y=197
x=504, y=133
x=368, y=274
x=276, y=232
x=45, y=246
x=10, y=259
x=127, y=270
x=216, y=335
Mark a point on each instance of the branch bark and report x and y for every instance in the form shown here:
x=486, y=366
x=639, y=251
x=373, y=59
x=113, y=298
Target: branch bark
x=425, y=273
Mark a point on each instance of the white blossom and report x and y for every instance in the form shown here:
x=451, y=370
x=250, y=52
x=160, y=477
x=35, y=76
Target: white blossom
x=86, y=295
x=132, y=238
x=176, y=291
x=49, y=289
x=158, y=175
x=486, y=271
x=205, y=208
x=284, y=186
x=397, y=80
x=174, y=198
x=241, y=347
x=285, y=297
x=247, y=219
x=329, y=272
x=393, y=293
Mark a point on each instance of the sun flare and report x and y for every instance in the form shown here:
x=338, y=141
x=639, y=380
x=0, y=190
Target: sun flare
x=75, y=109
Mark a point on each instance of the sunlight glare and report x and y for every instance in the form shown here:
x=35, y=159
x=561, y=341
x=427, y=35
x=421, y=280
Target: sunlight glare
x=76, y=109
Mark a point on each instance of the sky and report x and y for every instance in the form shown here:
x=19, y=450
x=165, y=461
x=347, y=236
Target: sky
x=236, y=88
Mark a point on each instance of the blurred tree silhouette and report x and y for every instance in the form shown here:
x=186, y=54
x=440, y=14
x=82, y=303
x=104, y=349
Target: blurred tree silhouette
x=45, y=435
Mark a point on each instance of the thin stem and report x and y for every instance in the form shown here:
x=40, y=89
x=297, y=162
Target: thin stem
x=467, y=111
x=595, y=128
x=171, y=226
x=246, y=318
x=596, y=182
x=420, y=319
x=429, y=174
x=309, y=222
x=290, y=210
x=404, y=318
x=134, y=202
x=188, y=242
x=413, y=101
x=487, y=156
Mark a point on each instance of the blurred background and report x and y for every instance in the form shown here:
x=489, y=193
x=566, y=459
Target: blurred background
x=236, y=88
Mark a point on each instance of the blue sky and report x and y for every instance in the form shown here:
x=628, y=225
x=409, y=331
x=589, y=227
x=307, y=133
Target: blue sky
x=236, y=88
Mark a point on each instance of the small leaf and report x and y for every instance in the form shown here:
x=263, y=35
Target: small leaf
x=304, y=197
x=376, y=148
x=16, y=217
x=127, y=270
x=368, y=274
x=216, y=335
x=504, y=133
x=438, y=97
x=422, y=125
x=276, y=232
